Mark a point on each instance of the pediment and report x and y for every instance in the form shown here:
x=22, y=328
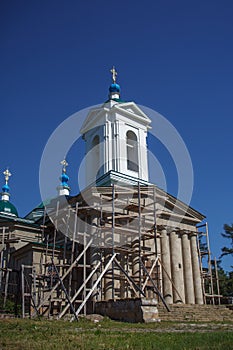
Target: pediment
x=171, y=206
x=131, y=110
x=128, y=109
x=93, y=119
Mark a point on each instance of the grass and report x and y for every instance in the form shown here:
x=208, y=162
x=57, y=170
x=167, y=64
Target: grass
x=107, y=334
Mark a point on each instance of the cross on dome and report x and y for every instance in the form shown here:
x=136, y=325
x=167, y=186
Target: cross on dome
x=114, y=74
x=114, y=89
x=64, y=165
x=5, y=188
x=7, y=175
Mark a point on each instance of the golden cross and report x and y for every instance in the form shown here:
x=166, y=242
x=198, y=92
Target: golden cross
x=64, y=165
x=114, y=74
x=7, y=175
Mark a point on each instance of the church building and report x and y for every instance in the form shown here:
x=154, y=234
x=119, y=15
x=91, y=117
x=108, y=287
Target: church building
x=121, y=241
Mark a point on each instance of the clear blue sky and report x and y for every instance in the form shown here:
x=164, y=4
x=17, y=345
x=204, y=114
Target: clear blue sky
x=175, y=57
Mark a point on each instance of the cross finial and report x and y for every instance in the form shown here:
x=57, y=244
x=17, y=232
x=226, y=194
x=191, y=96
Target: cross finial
x=64, y=165
x=7, y=175
x=114, y=74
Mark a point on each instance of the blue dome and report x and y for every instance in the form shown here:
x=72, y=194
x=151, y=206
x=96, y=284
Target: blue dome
x=115, y=88
x=64, y=179
x=5, y=188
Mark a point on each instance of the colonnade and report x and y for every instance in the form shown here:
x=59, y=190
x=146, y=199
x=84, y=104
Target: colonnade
x=181, y=277
x=180, y=266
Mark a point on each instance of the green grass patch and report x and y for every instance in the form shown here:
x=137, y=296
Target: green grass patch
x=107, y=334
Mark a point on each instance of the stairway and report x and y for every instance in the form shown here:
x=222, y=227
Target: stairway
x=195, y=313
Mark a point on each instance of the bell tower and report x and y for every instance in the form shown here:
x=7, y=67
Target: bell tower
x=116, y=141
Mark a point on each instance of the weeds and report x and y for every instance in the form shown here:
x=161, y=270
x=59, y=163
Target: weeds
x=110, y=335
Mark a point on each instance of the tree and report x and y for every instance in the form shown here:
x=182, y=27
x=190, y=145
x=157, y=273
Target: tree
x=225, y=280
x=229, y=235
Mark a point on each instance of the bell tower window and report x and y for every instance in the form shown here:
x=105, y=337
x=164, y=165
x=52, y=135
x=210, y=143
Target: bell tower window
x=132, y=151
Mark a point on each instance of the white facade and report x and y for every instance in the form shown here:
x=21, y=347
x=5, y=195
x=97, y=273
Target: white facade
x=116, y=140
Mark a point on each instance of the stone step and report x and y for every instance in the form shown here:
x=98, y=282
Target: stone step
x=205, y=313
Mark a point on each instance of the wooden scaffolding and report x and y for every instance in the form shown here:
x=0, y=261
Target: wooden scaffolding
x=100, y=246
x=208, y=267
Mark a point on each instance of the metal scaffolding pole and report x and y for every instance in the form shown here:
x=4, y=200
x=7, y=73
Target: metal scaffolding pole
x=23, y=291
x=113, y=232
x=139, y=234
x=2, y=255
x=217, y=280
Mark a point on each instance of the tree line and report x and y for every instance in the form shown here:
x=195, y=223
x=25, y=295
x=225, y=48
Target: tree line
x=226, y=278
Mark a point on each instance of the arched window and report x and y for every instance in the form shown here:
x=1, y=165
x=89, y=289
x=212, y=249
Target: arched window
x=132, y=151
x=95, y=141
x=95, y=155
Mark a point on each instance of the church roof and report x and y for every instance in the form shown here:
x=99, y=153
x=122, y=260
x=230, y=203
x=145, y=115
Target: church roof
x=8, y=208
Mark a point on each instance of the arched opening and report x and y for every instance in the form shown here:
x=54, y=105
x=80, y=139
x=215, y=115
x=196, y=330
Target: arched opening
x=132, y=151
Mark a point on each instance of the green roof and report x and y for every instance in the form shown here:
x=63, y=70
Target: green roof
x=116, y=100
x=8, y=208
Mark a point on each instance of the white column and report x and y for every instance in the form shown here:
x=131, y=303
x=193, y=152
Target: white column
x=143, y=156
x=122, y=155
x=107, y=148
x=117, y=148
x=177, y=267
x=196, y=270
x=188, y=272
x=166, y=268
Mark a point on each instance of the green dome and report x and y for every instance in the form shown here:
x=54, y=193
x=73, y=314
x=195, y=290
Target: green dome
x=8, y=208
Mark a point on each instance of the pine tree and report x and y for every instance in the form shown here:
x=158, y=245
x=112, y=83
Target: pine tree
x=225, y=280
x=229, y=235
